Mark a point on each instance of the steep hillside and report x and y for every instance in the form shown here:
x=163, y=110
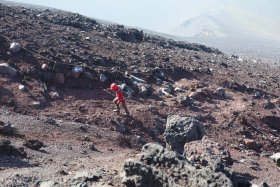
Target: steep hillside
x=58, y=127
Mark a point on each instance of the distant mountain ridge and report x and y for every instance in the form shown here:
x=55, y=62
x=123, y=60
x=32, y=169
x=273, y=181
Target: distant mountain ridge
x=249, y=28
x=200, y=26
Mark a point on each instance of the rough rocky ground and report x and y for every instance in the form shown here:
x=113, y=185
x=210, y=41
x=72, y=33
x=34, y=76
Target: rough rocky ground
x=84, y=141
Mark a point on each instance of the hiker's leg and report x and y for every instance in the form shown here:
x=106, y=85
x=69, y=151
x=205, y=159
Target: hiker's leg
x=115, y=101
x=125, y=108
x=117, y=105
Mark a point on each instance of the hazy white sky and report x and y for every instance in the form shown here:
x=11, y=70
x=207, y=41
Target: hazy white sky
x=149, y=14
x=161, y=15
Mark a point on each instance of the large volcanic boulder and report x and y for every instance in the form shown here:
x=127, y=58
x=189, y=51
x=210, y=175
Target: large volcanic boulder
x=160, y=167
x=204, y=163
x=180, y=130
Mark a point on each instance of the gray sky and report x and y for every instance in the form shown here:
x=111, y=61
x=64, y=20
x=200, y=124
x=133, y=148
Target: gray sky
x=149, y=14
x=163, y=15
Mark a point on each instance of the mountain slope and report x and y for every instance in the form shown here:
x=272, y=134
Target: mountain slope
x=66, y=133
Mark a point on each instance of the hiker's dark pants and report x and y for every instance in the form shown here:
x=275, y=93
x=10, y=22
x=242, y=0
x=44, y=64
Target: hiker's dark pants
x=117, y=104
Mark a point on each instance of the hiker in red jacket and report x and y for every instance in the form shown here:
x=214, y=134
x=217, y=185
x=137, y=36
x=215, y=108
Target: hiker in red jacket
x=119, y=98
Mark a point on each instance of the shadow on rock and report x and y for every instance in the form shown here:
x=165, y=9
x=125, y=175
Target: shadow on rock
x=11, y=156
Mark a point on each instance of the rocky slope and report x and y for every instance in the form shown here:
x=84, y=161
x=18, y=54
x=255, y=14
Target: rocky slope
x=58, y=128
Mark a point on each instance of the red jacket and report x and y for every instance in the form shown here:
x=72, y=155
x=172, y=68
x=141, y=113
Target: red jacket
x=119, y=95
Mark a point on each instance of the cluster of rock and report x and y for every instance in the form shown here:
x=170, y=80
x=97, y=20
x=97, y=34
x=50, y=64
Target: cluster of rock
x=7, y=148
x=67, y=19
x=7, y=128
x=74, y=47
x=158, y=166
x=205, y=164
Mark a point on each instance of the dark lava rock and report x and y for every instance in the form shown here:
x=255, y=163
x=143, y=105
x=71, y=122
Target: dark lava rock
x=180, y=130
x=72, y=20
x=130, y=35
x=83, y=179
x=34, y=144
x=7, y=129
x=160, y=167
x=272, y=121
x=186, y=101
x=6, y=148
x=208, y=153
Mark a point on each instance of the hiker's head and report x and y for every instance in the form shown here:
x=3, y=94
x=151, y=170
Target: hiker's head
x=114, y=87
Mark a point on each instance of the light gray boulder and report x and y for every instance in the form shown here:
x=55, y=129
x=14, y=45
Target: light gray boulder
x=276, y=158
x=15, y=47
x=6, y=69
x=180, y=130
